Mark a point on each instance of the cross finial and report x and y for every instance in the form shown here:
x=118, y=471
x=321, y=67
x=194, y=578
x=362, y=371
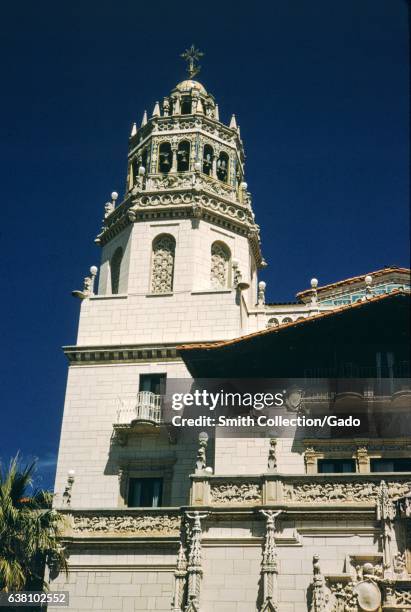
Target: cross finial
x=192, y=55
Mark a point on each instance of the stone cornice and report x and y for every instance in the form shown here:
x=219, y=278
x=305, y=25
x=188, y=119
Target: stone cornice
x=192, y=203
x=87, y=355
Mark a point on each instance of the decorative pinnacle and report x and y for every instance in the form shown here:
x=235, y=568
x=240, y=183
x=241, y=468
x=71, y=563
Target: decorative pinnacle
x=191, y=56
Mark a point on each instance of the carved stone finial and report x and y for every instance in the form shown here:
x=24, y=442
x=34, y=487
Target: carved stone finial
x=133, y=130
x=88, y=285
x=272, y=455
x=166, y=107
x=201, y=462
x=314, y=295
x=68, y=489
x=156, y=110
x=261, y=293
x=368, y=286
x=144, y=119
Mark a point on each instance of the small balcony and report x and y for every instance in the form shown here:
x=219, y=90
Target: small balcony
x=141, y=414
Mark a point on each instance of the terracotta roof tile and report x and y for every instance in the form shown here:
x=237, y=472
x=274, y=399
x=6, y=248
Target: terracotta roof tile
x=305, y=321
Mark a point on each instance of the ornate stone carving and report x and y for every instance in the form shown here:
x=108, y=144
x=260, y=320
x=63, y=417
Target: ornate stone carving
x=349, y=491
x=194, y=568
x=232, y=493
x=131, y=524
x=269, y=564
x=385, y=514
x=320, y=593
x=272, y=456
x=363, y=459
x=220, y=258
x=201, y=462
x=163, y=264
x=180, y=575
x=310, y=460
x=344, y=597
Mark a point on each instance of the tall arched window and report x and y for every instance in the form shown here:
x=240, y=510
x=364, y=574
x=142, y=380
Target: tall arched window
x=115, y=267
x=165, y=157
x=162, y=272
x=183, y=156
x=220, y=265
x=208, y=155
x=222, y=167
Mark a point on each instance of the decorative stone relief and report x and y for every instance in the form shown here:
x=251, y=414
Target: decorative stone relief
x=220, y=258
x=368, y=590
x=320, y=593
x=155, y=524
x=231, y=493
x=341, y=492
x=163, y=264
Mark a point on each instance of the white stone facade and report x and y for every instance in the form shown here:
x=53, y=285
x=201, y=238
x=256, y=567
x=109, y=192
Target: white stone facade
x=227, y=558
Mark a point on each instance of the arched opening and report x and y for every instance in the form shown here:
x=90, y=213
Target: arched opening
x=222, y=167
x=133, y=173
x=115, y=268
x=220, y=265
x=273, y=322
x=208, y=156
x=162, y=270
x=186, y=105
x=144, y=159
x=287, y=320
x=183, y=156
x=165, y=156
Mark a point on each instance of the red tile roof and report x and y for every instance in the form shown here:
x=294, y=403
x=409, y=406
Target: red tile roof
x=305, y=321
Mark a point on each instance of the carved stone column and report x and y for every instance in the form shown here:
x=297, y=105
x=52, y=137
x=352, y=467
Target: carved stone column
x=269, y=565
x=194, y=569
x=174, y=147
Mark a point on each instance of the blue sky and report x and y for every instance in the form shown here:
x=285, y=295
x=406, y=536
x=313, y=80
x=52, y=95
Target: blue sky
x=320, y=90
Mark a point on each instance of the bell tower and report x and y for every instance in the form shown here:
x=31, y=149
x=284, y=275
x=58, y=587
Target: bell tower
x=185, y=232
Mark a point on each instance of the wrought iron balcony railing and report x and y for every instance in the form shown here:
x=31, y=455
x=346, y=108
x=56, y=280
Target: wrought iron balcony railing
x=146, y=408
